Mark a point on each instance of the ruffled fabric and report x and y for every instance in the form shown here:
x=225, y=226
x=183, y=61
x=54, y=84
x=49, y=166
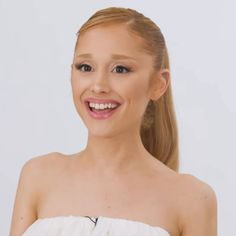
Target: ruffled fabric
x=88, y=226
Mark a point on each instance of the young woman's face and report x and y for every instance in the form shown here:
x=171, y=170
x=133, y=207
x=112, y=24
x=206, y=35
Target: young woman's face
x=110, y=80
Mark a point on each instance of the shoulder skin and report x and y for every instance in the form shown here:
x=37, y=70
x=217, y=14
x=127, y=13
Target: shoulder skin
x=33, y=174
x=198, y=207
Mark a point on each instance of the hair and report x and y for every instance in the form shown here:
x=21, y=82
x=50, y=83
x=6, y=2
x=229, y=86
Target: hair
x=158, y=129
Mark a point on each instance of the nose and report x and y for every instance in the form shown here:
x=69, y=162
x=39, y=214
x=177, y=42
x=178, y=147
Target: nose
x=100, y=83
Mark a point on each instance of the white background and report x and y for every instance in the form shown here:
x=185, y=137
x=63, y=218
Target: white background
x=37, y=115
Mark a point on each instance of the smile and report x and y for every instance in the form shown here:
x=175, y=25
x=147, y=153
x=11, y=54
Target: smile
x=101, y=109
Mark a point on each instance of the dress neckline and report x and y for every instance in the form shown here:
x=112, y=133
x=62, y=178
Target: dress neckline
x=101, y=217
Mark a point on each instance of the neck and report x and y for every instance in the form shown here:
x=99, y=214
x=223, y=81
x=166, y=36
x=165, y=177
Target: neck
x=111, y=154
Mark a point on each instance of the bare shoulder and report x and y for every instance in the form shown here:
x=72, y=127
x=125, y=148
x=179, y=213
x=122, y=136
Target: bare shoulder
x=43, y=170
x=197, y=191
x=41, y=162
x=37, y=166
x=197, y=187
x=31, y=180
x=198, y=206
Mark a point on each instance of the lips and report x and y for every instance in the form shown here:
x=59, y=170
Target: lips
x=99, y=101
x=101, y=114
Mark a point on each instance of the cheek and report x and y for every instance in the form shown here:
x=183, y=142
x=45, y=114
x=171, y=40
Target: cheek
x=78, y=85
x=137, y=95
x=77, y=90
x=139, y=89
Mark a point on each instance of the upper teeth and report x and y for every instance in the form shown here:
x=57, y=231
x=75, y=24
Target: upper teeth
x=102, y=105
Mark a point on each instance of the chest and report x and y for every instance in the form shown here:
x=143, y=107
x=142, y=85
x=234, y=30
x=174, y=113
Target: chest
x=141, y=199
x=100, y=193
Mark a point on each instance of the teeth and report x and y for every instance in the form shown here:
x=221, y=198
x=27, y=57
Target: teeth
x=102, y=106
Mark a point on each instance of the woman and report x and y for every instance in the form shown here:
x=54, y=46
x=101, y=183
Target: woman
x=125, y=181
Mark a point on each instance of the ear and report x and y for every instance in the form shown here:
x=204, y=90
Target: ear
x=160, y=83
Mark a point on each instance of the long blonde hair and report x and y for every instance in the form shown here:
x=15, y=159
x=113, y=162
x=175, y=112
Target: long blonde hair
x=158, y=131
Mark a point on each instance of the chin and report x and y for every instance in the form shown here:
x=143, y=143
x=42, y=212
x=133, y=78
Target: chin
x=106, y=131
x=101, y=134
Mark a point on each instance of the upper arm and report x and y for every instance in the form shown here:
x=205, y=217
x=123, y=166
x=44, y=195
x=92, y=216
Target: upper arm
x=24, y=212
x=199, y=218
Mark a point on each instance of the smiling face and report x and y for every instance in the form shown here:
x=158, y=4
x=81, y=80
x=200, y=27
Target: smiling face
x=111, y=67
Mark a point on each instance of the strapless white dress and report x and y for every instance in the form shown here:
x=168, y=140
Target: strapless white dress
x=91, y=226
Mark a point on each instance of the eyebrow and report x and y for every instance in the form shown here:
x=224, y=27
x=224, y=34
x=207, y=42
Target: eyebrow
x=113, y=56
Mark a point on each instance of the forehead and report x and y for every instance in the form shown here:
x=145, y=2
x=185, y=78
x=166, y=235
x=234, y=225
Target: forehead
x=111, y=39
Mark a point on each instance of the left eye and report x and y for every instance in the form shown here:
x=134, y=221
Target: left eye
x=120, y=69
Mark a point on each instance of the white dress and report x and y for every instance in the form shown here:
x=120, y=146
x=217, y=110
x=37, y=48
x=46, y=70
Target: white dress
x=91, y=226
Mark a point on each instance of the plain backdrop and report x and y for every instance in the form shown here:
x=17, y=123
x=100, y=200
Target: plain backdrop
x=37, y=115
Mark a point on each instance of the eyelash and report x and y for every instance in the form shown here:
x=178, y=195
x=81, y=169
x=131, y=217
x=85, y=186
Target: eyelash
x=83, y=65
x=80, y=66
x=127, y=69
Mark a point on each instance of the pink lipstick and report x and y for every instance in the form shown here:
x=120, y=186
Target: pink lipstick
x=101, y=108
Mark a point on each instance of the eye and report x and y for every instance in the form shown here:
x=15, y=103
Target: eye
x=121, y=69
x=83, y=67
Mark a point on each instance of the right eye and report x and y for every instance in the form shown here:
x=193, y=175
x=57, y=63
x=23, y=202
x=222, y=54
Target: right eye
x=83, y=67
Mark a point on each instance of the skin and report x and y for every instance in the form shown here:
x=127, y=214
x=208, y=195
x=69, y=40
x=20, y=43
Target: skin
x=114, y=175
